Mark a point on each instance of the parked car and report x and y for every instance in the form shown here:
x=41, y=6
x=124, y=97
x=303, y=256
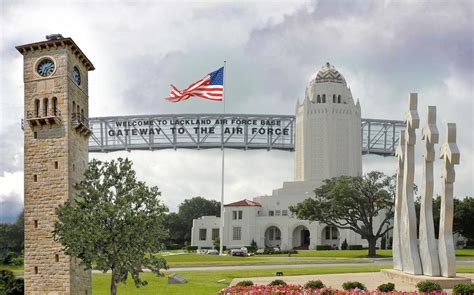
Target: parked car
x=238, y=252
x=213, y=252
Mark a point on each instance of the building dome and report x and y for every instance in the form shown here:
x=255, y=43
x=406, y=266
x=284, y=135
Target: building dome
x=329, y=74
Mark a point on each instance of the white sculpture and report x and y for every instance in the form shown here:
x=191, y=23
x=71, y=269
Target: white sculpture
x=396, y=245
x=429, y=259
x=411, y=257
x=450, y=155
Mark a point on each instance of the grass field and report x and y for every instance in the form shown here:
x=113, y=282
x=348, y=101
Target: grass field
x=205, y=282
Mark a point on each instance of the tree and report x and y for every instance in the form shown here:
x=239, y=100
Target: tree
x=194, y=208
x=12, y=239
x=353, y=203
x=464, y=217
x=114, y=221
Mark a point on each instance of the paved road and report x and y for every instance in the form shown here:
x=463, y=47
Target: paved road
x=377, y=261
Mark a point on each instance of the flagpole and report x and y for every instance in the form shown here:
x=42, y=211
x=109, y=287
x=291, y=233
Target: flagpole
x=221, y=234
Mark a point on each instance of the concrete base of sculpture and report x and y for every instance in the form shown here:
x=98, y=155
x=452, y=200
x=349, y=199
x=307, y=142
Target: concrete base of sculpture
x=400, y=276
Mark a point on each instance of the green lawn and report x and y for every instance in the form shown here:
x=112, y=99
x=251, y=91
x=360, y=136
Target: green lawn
x=11, y=268
x=203, y=259
x=205, y=282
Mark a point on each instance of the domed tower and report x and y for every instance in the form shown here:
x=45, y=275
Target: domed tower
x=328, y=136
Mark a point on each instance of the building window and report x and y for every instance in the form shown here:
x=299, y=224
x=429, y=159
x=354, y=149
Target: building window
x=36, y=270
x=277, y=213
x=36, y=223
x=284, y=212
x=45, y=107
x=55, y=106
x=324, y=98
x=334, y=98
x=334, y=232
x=215, y=234
x=271, y=213
x=318, y=99
x=338, y=99
x=237, y=214
x=328, y=232
x=56, y=165
x=274, y=233
x=237, y=233
x=202, y=234
x=35, y=178
x=56, y=257
x=37, y=108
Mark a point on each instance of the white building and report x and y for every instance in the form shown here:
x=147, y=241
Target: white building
x=328, y=144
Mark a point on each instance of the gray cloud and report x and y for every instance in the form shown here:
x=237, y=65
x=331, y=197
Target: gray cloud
x=385, y=49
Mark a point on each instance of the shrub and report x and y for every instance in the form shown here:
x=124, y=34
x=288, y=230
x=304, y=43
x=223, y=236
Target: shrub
x=427, y=286
x=355, y=247
x=388, y=287
x=314, y=285
x=17, y=260
x=462, y=289
x=9, y=284
x=191, y=248
x=353, y=285
x=323, y=247
x=173, y=246
x=245, y=283
x=277, y=283
x=344, y=245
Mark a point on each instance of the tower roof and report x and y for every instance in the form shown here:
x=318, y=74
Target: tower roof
x=328, y=73
x=52, y=43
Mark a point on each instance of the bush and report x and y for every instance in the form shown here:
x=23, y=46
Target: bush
x=388, y=287
x=462, y=289
x=344, y=245
x=323, y=247
x=277, y=283
x=314, y=285
x=245, y=283
x=191, y=248
x=18, y=261
x=9, y=284
x=427, y=286
x=353, y=285
x=355, y=247
x=173, y=246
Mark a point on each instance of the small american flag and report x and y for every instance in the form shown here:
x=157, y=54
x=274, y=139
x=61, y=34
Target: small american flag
x=210, y=87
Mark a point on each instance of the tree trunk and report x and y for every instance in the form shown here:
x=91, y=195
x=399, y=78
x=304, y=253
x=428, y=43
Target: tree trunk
x=113, y=283
x=372, y=244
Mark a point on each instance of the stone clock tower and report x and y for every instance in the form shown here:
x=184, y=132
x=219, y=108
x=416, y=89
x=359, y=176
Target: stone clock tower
x=56, y=132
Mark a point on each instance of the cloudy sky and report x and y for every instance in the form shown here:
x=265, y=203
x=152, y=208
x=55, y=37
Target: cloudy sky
x=384, y=49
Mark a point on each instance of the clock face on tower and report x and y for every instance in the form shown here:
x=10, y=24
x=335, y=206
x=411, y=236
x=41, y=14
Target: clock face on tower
x=45, y=67
x=76, y=75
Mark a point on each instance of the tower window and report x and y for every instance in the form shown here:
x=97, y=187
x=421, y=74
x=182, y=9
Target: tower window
x=73, y=167
x=35, y=135
x=324, y=98
x=338, y=99
x=334, y=98
x=35, y=178
x=318, y=99
x=45, y=107
x=56, y=257
x=36, y=223
x=37, y=108
x=56, y=165
x=55, y=106
x=36, y=270
x=73, y=107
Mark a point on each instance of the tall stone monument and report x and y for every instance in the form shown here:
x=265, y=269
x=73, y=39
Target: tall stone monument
x=422, y=259
x=56, y=154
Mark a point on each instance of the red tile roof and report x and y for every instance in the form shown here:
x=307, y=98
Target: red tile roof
x=244, y=202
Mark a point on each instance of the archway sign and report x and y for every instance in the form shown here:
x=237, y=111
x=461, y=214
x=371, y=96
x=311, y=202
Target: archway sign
x=238, y=131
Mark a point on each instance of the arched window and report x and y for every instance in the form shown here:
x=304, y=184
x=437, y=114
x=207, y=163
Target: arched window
x=45, y=107
x=73, y=107
x=318, y=99
x=55, y=106
x=82, y=113
x=338, y=99
x=324, y=98
x=78, y=110
x=37, y=108
x=333, y=98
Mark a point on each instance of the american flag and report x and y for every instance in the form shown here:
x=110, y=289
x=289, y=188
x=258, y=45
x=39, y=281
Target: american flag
x=210, y=87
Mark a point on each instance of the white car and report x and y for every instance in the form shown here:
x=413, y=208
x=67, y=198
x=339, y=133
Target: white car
x=213, y=252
